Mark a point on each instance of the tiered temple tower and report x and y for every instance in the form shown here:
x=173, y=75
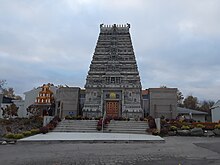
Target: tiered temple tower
x=113, y=83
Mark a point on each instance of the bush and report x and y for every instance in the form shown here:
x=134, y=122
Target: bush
x=98, y=118
x=200, y=126
x=88, y=118
x=56, y=118
x=217, y=126
x=8, y=129
x=185, y=127
x=107, y=121
x=191, y=126
x=99, y=128
x=79, y=117
x=121, y=119
x=67, y=117
x=10, y=136
x=176, y=123
x=27, y=133
x=163, y=122
x=173, y=128
x=18, y=136
x=115, y=118
x=6, y=122
x=54, y=122
x=37, y=119
x=167, y=120
x=99, y=122
x=50, y=126
x=207, y=125
x=44, y=130
x=145, y=119
x=155, y=132
x=35, y=131
x=164, y=131
x=26, y=121
x=151, y=123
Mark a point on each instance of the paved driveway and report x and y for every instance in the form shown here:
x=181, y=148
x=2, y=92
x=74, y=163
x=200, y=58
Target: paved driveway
x=176, y=150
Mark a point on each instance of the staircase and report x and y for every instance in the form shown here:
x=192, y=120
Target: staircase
x=76, y=126
x=133, y=127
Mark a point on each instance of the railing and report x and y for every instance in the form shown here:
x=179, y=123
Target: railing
x=103, y=120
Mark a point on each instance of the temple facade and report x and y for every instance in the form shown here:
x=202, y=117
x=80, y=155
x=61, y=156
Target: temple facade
x=113, y=84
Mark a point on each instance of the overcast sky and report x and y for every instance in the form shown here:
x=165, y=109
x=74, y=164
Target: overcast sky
x=176, y=42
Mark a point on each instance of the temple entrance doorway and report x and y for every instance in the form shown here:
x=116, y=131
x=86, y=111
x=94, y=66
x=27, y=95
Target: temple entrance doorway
x=112, y=108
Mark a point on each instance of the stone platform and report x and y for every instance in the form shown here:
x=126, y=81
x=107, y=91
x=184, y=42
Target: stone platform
x=91, y=137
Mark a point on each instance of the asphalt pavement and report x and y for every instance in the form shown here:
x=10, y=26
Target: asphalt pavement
x=174, y=151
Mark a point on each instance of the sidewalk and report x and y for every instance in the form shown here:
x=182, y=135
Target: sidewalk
x=91, y=137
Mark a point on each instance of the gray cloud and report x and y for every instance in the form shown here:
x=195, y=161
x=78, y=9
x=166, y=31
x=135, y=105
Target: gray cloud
x=176, y=42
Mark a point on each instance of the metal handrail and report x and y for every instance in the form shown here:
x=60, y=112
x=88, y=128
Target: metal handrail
x=103, y=119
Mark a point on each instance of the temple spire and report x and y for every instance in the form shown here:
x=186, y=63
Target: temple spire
x=113, y=71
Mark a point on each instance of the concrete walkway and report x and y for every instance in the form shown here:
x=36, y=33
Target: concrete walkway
x=91, y=137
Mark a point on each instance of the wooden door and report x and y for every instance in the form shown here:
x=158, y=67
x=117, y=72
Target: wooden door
x=112, y=108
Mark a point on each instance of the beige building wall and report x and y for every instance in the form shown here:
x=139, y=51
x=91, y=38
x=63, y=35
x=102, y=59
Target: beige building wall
x=163, y=102
x=67, y=101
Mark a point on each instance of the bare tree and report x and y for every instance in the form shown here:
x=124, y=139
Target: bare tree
x=179, y=98
x=191, y=102
x=9, y=111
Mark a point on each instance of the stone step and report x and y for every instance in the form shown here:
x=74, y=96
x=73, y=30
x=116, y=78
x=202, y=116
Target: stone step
x=131, y=132
x=127, y=127
x=124, y=130
x=121, y=128
x=80, y=120
x=118, y=125
x=76, y=126
x=75, y=131
x=77, y=121
x=128, y=124
x=114, y=126
x=79, y=124
x=117, y=121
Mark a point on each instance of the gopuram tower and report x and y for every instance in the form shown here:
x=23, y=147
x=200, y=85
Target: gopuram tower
x=113, y=83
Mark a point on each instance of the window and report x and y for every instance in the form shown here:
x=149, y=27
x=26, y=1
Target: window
x=112, y=79
x=113, y=57
x=107, y=79
x=118, y=80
